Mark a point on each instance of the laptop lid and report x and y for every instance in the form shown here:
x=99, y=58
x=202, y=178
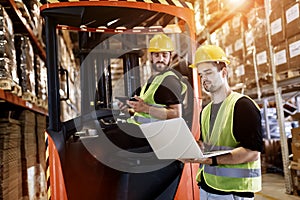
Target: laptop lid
x=172, y=139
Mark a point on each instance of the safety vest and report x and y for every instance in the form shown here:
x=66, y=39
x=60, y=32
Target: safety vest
x=244, y=177
x=148, y=97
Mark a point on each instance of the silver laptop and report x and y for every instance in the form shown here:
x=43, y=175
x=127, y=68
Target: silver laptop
x=172, y=139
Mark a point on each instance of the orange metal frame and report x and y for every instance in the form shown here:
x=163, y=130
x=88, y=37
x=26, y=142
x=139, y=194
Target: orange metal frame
x=188, y=188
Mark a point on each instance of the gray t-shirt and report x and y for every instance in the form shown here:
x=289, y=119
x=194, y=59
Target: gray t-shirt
x=213, y=114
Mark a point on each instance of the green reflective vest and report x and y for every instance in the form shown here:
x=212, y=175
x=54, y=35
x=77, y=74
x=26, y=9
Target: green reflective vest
x=244, y=177
x=148, y=97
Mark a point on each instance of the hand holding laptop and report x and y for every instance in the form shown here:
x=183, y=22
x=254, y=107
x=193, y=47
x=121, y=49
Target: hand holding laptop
x=172, y=139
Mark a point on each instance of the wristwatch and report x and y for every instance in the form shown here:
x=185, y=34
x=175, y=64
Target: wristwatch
x=214, y=161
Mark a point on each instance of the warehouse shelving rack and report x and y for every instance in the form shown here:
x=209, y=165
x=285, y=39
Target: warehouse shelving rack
x=20, y=25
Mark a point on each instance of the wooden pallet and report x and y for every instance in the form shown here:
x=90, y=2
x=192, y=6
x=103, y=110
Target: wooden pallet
x=42, y=103
x=6, y=84
x=16, y=89
x=39, y=102
x=27, y=96
x=287, y=74
x=9, y=85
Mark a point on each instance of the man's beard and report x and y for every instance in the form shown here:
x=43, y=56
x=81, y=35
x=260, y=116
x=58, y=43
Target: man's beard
x=159, y=67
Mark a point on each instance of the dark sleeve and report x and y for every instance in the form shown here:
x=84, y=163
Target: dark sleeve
x=200, y=125
x=169, y=92
x=247, y=128
x=137, y=92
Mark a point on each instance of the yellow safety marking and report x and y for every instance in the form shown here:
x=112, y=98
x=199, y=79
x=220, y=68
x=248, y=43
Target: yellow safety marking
x=148, y=1
x=163, y=2
x=47, y=153
x=47, y=167
x=54, y=1
x=190, y=5
x=49, y=193
x=177, y=3
x=48, y=173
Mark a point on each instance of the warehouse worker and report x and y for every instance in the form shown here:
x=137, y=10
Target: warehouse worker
x=230, y=121
x=162, y=96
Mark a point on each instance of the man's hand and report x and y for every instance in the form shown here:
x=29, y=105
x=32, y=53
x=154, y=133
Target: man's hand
x=123, y=107
x=207, y=161
x=139, y=105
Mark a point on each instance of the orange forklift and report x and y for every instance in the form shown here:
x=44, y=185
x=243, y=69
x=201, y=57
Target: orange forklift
x=83, y=160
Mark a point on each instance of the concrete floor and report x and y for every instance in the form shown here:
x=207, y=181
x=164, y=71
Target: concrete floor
x=273, y=188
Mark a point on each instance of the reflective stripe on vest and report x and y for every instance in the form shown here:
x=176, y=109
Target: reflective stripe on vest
x=232, y=172
x=144, y=120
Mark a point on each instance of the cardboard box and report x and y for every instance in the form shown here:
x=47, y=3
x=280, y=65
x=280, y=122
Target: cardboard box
x=281, y=57
x=263, y=62
x=294, y=51
x=292, y=19
x=296, y=150
x=277, y=3
x=277, y=25
x=249, y=40
x=213, y=6
x=296, y=116
x=286, y=2
x=296, y=134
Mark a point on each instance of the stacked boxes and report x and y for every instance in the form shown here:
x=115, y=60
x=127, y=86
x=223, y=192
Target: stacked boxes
x=249, y=75
x=36, y=19
x=277, y=22
x=28, y=148
x=213, y=9
x=278, y=37
x=296, y=144
x=25, y=63
x=292, y=28
x=292, y=18
x=22, y=167
x=8, y=69
x=41, y=146
x=296, y=139
x=294, y=51
x=232, y=41
x=10, y=159
x=41, y=83
x=281, y=55
x=262, y=58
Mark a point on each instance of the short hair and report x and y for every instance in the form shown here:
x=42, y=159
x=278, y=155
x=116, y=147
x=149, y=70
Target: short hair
x=219, y=65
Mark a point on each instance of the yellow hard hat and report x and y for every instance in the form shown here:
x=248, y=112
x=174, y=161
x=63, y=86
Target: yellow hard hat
x=160, y=42
x=210, y=53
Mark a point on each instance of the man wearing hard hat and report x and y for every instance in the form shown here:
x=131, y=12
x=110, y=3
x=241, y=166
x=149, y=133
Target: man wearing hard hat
x=162, y=96
x=230, y=121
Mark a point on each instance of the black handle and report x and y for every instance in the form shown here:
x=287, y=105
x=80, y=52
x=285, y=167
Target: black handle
x=62, y=72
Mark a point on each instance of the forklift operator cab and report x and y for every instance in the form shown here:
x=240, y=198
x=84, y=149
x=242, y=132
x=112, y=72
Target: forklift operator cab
x=93, y=152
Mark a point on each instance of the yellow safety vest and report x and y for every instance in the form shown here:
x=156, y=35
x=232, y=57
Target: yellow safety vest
x=148, y=97
x=244, y=177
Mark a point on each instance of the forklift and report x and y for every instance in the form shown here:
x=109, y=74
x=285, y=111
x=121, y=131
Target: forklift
x=89, y=156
